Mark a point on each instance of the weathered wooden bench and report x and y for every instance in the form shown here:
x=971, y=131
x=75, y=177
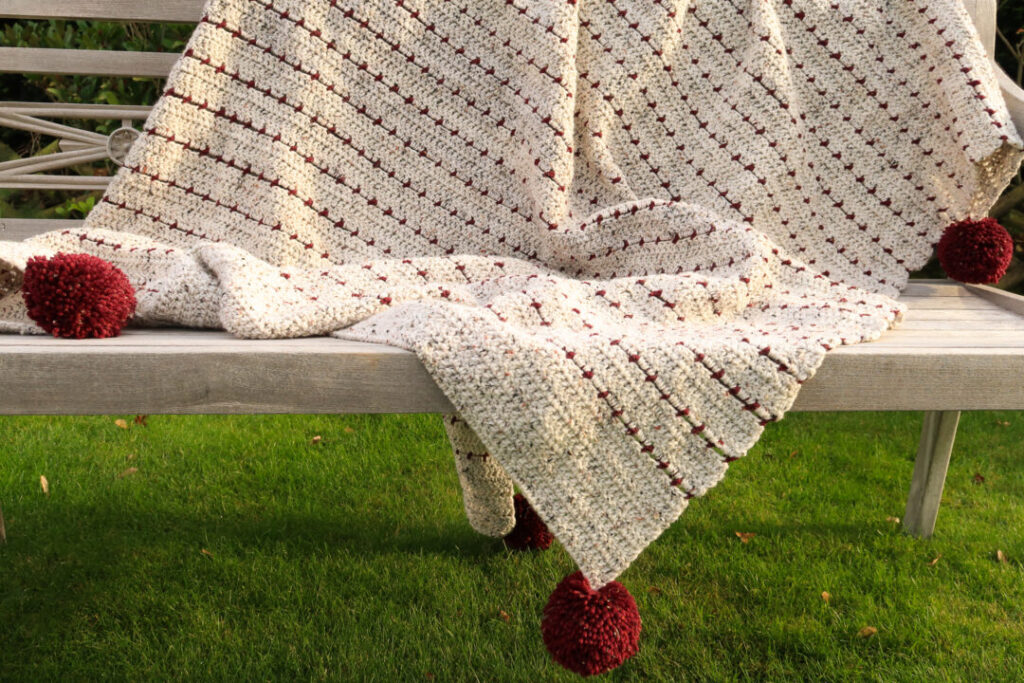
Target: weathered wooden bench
x=960, y=347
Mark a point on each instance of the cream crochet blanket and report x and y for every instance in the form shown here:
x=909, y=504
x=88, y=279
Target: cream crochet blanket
x=618, y=233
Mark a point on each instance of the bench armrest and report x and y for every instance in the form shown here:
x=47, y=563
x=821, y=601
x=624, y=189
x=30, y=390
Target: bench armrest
x=1014, y=96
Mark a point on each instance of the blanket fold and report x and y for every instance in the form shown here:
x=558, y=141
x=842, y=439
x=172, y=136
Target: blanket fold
x=619, y=234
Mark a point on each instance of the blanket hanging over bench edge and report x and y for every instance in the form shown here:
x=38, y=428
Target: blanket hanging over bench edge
x=618, y=234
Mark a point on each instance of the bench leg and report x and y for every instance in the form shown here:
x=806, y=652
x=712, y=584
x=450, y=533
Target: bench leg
x=930, y=471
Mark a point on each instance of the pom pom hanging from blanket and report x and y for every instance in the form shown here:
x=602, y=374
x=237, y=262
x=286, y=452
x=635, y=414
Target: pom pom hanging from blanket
x=77, y=295
x=587, y=631
x=530, y=531
x=975, y=251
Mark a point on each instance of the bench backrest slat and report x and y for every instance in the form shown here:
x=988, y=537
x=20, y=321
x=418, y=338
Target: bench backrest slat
x=18, y=229
x=85, y=62
x=185, y=11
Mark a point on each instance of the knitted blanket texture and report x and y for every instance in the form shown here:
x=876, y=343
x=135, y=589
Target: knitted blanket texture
x=619, y=234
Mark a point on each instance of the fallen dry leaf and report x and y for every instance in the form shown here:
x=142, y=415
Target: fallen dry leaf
x=3, y=527
x=654, y=590
x=141, y=419
x=978, y=478
x=45, y=484
x=894, y=520
x=935, y=561
x=745, y=536
x=348, y=430
x=867, y=632
x=206, y=552
x=128, y=472
x=1001, y=556
x=121, y=423
x=316, y=439
x=130, y=456
x=1003, y=423
x=794, y=454
x=430, y=676
x=504, y=616
x=826, y=596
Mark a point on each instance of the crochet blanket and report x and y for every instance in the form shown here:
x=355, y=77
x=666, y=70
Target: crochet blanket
x=619, y=234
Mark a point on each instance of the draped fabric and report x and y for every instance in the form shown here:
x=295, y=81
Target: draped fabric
x=619, y=234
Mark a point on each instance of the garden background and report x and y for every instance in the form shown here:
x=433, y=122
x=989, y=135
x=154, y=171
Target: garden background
x=335, y=547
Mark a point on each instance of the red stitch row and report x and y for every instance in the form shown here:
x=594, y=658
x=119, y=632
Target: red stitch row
x=395, y=47
x=310, y=160
x=247, y=170
x=361, y=66
x=116, y=246
x=703, y=23
x=964, y=69
x=617, y=412
x=620, y=114
x=883, y=105
x=873, y=94
x=490, y=72
x=233, y=208
x=173, y=225
x=761, y=131
x=681, y=411
x=492, y=33
x=377, y=122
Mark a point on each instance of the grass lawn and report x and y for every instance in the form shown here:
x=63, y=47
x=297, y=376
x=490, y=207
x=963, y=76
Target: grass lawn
x=239, y=549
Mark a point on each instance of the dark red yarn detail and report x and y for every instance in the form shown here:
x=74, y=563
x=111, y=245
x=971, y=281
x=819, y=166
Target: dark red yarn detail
x=975, y=251
x=77, y=295
x=530, y=531
x=587, y=631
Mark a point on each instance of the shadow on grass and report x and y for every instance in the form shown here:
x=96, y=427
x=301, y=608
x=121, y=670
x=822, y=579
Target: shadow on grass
x=77, y=560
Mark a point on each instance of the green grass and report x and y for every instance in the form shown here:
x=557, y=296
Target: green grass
x=351, y=558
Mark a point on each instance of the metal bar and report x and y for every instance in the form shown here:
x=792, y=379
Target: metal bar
x=57, y=130
x=76, y=111
x=48, y=162
x=54, y=182
x=74, y=145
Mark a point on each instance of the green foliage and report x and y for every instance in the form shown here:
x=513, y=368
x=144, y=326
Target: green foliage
x=1010, y=45
x=73, y=208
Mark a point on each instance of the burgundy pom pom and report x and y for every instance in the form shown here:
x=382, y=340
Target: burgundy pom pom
x=976, y=252
x=77, y=295
x=587, y=631
x=530, y=531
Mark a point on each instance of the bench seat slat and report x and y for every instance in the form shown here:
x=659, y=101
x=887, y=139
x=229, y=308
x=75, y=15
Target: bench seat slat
x=944, y=338
x=966, y=303
x=994, y=325
x=335, y=379
x=246, y=379
x=853, y=378
x=965, y=316
x=936, y=360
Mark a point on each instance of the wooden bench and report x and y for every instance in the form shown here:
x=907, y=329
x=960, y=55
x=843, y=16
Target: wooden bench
x=959, y=348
